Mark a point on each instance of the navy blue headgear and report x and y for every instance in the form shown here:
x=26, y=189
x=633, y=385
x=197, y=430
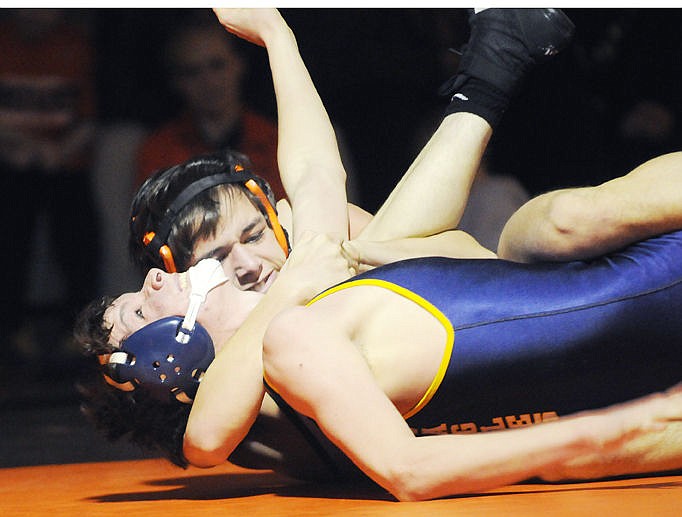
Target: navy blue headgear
x=156, y=359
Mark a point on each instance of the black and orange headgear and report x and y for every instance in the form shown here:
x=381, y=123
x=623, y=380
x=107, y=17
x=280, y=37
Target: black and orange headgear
x=155, y=240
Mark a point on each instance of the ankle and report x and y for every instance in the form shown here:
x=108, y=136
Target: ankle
x=480, y=98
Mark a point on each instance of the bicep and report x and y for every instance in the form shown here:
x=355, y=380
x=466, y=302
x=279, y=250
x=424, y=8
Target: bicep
x=314, y=365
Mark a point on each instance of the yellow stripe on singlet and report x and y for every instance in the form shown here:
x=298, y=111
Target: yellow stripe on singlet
x=432, y=309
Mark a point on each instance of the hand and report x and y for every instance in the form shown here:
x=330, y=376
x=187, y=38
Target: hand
x=249, y=24
x=316, y=262
x=365, y=254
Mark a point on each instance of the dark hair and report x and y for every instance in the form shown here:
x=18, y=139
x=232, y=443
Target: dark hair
x=155, y=427
x=198, y=219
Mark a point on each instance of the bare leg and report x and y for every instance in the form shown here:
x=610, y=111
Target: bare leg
x=585, y=222
x=504, y=45
x=440, y=178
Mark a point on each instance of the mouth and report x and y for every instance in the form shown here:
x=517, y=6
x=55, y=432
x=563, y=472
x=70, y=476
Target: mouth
x=263, y=285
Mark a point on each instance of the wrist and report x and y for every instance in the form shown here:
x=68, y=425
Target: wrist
x=289, y=290
x=277, y=33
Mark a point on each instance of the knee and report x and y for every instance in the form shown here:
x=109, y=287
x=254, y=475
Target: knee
x=578, y=223
x=565, y=215
x=557, y=226
x=544, y=229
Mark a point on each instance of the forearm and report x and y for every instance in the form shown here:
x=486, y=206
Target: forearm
x=485, y=461
x=308, y=157
x=231, y=391
x=418, y=468
x=310, y=165
x=655, y=451
x=432, y=195
x=453, y=244
x=638, y=436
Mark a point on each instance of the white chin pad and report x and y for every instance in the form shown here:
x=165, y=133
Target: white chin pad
x=204, y=276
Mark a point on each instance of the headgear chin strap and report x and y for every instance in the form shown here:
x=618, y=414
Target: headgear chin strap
x=154, y=358
x=204, y=276
x=156, y=241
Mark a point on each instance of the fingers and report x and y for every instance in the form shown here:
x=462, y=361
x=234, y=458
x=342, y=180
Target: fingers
x=351, y=254
x=241, y=23
x=249, y=23
x=365, y=255
x=325, y=256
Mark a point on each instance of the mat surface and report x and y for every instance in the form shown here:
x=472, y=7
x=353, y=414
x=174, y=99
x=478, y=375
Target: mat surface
x=154, y=487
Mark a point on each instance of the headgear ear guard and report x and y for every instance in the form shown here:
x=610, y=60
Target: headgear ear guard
x=155, y=358
x=155, y=242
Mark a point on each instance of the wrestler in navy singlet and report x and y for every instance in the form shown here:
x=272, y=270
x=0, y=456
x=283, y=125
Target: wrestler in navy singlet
x=532, y=341
x=542, y=338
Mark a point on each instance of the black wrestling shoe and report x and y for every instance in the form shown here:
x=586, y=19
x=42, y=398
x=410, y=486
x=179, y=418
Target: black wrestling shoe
x=506, y=43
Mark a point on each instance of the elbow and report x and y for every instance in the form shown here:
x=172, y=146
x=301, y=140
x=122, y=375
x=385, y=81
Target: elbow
x=406, y=484
x=405, y=491
x=203, y=454
x=201, y=448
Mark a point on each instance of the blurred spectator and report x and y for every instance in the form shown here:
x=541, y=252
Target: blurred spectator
x=47, y=107
x=206, y=70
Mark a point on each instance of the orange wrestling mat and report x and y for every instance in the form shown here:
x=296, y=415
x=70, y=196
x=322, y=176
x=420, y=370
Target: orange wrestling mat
x=154, y=487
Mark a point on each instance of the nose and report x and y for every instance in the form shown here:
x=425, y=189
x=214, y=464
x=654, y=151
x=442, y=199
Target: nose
x=154, y=280
x=247, y=266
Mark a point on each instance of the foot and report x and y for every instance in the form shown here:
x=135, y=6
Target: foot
x=506, y=43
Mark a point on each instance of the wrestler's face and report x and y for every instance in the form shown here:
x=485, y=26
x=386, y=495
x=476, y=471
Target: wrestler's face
x=167, y=294
x=244, y=244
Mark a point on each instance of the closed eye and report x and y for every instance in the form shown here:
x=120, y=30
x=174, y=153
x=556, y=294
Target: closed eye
x=255, y=237
x=219, y=256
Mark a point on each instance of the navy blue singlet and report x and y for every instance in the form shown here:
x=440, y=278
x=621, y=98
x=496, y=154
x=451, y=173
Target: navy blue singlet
x=530, y=342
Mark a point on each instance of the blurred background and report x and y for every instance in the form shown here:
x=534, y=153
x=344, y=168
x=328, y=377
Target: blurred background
x=93, y=100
